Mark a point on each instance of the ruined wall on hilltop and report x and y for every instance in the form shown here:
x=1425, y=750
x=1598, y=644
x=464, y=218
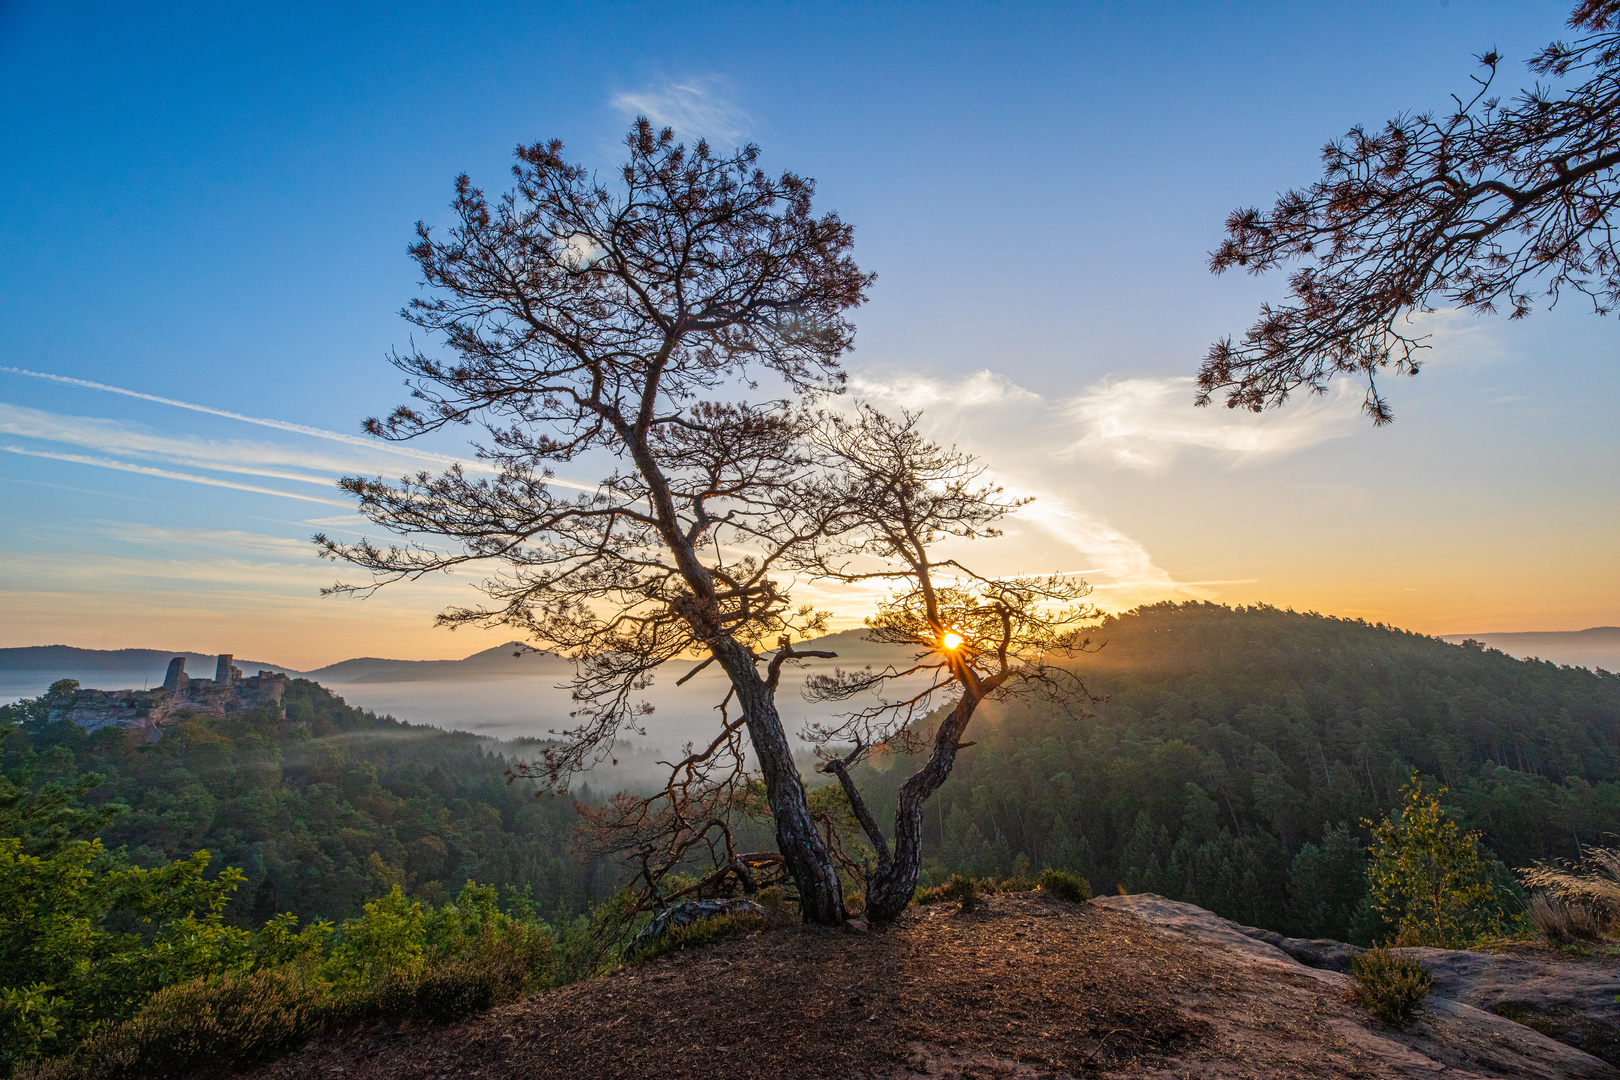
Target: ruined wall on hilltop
x=152, y=710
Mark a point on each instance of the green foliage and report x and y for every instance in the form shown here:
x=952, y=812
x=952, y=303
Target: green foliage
x=1429, y=880
x=85, y=938
x=142, y=961
x=1327, y=887
x=1239, y=750
x=964, y=890
x=1391, y=987
x=399, y=959
x=1065, y=886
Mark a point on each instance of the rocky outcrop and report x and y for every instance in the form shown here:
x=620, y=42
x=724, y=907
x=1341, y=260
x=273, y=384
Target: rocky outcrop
x=1490, y=1014
x=151, y=710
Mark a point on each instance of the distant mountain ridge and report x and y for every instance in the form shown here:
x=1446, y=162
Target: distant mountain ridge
x=511, y=660
x=26, y=671
x=54, y=657
x=1598, y=646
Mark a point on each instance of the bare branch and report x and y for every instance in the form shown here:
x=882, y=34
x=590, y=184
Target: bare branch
x=1471, y=210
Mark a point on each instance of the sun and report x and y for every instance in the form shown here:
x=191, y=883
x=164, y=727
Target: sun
x=951, y=640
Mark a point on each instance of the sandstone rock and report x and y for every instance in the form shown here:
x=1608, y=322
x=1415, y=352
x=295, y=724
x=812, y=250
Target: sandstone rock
x=1453, y=1034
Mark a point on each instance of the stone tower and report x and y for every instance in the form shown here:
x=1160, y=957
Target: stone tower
x=176, y=678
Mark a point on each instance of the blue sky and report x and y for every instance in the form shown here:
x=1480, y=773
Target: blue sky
x=210, y=204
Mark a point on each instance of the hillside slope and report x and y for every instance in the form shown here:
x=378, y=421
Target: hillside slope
x=1023, y=986
x=1239, y=752
x=321, y=810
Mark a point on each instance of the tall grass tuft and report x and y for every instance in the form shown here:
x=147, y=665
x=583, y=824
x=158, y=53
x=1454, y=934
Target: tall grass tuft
x=1576, y=900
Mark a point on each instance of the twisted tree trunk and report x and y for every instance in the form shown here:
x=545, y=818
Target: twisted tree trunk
x=821, y=895
x=890, y=887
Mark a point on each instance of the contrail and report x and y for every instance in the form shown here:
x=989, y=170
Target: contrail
x=279, y=425
x=168, y=474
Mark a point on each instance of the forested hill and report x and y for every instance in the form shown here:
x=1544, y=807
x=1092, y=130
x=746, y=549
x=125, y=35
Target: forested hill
x=1232, y=764
x=1239, y=750
x=322, y=811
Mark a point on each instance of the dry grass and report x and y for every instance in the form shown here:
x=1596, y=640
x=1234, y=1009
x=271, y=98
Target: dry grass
x=1566, y=920
x=1580, y=900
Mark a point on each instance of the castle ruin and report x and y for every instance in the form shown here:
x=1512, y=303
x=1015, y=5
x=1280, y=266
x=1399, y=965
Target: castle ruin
x=152, y=710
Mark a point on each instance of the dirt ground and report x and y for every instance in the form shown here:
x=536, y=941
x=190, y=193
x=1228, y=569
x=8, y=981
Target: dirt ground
x=1023, y=986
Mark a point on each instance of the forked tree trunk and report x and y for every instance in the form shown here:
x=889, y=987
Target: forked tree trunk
x=821, y=895
x=890, y=887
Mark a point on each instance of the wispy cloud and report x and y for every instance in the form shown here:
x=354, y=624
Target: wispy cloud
x=696, y=108
x=1018, y=432
x=1142, y=424
x=1034, y=445
x=230, y=540
x=1146, y=423
x=1127, y=574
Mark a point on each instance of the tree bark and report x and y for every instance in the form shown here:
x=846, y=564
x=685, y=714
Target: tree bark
x=890, y=888
x=821, y=895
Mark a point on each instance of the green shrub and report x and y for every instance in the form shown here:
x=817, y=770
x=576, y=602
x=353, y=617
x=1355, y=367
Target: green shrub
x=68, y=960
x=239, y=1020
x=695, y=935
x=223, y=1025
x=400, y=959
x=964, y=890
x=1065, y=886
x=1390, y=986
x=1429, y=880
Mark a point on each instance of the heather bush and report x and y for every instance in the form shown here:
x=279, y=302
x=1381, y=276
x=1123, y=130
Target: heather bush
x=697, y=934
x=1391, y=987
x=1064, y=886
x=964, y=890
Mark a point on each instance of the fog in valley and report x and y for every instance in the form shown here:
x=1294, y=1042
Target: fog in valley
x=508, y=693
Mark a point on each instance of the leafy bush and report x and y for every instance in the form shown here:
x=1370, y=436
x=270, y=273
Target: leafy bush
x=400, y=959
x=964, y=890
x=86, y=938
x=1391, y=987
x=1430, y=880
x=1064, y=886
